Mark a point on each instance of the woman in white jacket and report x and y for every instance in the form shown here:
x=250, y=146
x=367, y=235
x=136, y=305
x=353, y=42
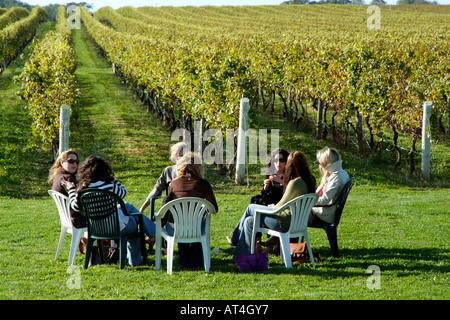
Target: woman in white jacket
x=333, y=180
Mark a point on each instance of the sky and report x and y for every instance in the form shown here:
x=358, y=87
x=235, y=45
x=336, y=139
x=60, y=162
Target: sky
x=115, y=4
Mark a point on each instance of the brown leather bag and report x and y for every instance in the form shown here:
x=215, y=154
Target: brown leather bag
x=298, y=252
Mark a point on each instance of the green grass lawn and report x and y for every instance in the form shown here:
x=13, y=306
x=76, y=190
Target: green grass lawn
x=395, y=222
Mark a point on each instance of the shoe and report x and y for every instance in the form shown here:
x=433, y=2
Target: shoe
x=230, y=242
x=82, y=245
x=113, y=256
x=150, y=241
x=270, y=242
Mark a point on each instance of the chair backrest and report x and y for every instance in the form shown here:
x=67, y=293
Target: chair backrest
x=187, y=215
x=101, y=210
x=63, y=205
x=340, y=202
x=300, y=210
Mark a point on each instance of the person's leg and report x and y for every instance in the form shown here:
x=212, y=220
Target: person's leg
x=249, y=212
x=133, y=245
x=244, y=241
x=271, y=222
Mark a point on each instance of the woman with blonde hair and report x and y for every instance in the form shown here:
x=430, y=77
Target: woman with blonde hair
x=332, y=182
x=168, y=174
x=190, y=183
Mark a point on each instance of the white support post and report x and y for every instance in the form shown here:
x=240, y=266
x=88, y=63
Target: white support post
x=242, y=141
x=426, y=140
x=198, y=137
x=64, y=128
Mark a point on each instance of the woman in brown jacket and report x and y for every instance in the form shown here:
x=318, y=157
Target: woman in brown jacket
x=190, y=183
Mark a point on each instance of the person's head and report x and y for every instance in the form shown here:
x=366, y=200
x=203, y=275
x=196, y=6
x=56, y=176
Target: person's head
x=93, y=169
x=276, y=162
x=297, y=167
x=190, y=166
x=327, y=156
x=66, y=161
x=177, y=151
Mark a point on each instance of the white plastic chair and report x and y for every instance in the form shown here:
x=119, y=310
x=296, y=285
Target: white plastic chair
x=188, y=214
x=300, y=209
x=63, y=205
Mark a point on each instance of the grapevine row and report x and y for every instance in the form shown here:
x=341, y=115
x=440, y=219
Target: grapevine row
x=184, y=77
x=48, y=81
x=12, y=15
x=200, y=61
x=386, y=78
x=15, y=36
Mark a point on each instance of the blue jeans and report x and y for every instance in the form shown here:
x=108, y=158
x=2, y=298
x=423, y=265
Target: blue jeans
x=134, y=244
x=242, y=234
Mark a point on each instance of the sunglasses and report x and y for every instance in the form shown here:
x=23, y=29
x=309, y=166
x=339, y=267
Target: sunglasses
x=72, y=161
x=281, y=160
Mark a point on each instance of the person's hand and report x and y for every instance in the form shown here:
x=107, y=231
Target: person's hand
x=67, y=184
x=267, y=183
x=277, y=179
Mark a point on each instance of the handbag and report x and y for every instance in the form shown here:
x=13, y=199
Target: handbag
x=298, y=252
x=253, y=262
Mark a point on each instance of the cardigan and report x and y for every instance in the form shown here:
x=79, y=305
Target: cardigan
x=194, y=187
x=331, y=190
x=113, y=186
x=295, y=188
x=57, y=181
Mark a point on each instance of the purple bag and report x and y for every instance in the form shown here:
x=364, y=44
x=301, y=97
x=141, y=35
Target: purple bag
x=253, y=262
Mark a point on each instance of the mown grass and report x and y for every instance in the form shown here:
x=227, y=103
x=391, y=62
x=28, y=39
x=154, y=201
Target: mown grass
x=391, y=220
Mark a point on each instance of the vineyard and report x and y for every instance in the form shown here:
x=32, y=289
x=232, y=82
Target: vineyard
x=321, y=75
x=320, y=63
x=196, y=63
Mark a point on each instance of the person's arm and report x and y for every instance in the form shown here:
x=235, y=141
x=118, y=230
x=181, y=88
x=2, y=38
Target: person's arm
x=160, y=185
x=119, y=189
x=287, y=196
x=209, y=195
x=73, y=197
x=294, y=189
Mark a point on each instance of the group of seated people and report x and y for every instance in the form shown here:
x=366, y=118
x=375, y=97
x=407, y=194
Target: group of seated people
x=289, y=176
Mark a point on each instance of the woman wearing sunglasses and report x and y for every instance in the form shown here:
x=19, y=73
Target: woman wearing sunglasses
x=64, y=170
x=273, y=183
x=297, y=181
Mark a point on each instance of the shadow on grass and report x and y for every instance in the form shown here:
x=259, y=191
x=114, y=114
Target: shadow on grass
x=353, y=262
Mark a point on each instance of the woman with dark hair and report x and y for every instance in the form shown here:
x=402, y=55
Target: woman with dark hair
x=298, y=181
x=273, y=183
x=94, y=172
